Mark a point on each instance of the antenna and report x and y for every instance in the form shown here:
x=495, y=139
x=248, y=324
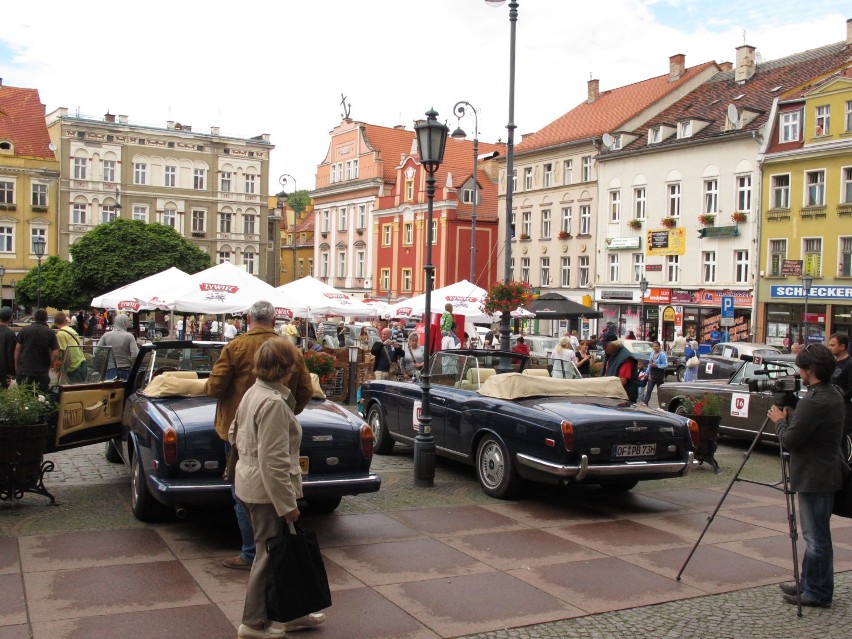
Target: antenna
x=733, y=116
x=607, y=140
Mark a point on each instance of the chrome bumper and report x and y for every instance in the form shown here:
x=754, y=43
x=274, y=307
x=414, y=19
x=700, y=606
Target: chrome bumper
x=598, y=471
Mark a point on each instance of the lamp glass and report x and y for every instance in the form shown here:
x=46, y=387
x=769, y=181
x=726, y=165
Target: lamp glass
x=807, y=281
x=431, y=140
x=353, y=354
x=38, y=246
x=2, y=271
x=458, y=134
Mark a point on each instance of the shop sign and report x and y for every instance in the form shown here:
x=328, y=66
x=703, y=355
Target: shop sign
x=616, y=243
x=654, y=268
x=658, y=296
x=816, y=292
x=668, y=314
x=719, y=231
x=680, y=296
x=709, y=297
x=666, y=242
x=791, y=267
x=617, y=295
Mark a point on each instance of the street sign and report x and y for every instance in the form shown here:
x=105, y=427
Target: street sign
x=727, y=310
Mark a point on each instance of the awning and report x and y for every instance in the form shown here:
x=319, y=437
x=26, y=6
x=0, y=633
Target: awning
x=556, y=306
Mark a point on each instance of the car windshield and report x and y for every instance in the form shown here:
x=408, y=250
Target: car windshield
x=639, y=347
x=467, y=371
x=767, y=370
x=197, y=358
x=85, y=365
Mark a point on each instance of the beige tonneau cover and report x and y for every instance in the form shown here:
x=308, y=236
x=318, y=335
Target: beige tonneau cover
x=517, y=386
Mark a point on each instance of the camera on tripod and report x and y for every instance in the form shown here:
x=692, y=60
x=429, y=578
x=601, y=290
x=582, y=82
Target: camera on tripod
x=784, y=389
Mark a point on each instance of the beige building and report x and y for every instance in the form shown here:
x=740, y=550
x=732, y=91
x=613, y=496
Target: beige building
x=210, y=187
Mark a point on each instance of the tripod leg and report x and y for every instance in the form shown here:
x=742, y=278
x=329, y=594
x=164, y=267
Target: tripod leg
x=790, y=498
x=746, y=456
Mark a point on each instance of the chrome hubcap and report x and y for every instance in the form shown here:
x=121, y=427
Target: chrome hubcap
x=492, y=465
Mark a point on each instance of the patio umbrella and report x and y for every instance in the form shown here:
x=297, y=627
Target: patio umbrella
x=465, y=297
x=322, y=299
x=146, y=294
x=555, y=306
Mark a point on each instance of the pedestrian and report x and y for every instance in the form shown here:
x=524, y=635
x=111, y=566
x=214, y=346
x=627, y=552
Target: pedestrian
x=7, y=348
x=691, y=372
x=230, y=331
x=678, y=344
x=124, y=348
x=386, y=352
x=561, y=354
x=817, y=470
x=413, y=358
x=341, y=335
x=521, y=346
x=364, y=339
x=82, y=323
x=631, y=335
x=232, y=375
x=838, y=344
x=584, y=359
x=268, y=479
x=447, y=319
x=575, y=341
x=179, y=327
x=35, y=352
x=621, y=363
x=70, y=348
x=657, y=364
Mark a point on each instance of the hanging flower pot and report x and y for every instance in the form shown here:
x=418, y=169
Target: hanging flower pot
x=707, y=219
x=669, y=222
x=507, y=297
x=738, y=217
x=635, y=224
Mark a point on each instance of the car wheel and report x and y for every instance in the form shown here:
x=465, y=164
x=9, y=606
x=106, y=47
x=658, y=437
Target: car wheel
x=495, y=470
x=143, y=505
x=159, y=334
x=111, y=451
x=847, y=447
x=680, y=373
x=383, y=442
x=678, y=409
x=323, y=506
x=620, y=486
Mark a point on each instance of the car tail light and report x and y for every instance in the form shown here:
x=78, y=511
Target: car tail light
x=693, y=432
x=170, y=445
x=367, y=440
x=568, y=434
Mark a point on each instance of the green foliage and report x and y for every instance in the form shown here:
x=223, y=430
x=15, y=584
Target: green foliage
x=24, y=404
x=320, y=363
x=709, y=404
x=298, y=201
x=58, y=288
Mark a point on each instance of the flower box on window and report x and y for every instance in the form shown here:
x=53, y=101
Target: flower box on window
x=564, y=235
x=707, y=219
x=669, y=222
x=39, y=209
x=523, y=236
x=635, y=224
x=198, y=234
x=738, y=217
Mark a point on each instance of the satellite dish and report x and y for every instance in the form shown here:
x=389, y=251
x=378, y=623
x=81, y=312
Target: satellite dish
x=733, y=116
x=51, y=146
x=607, y=140
x=757, y=57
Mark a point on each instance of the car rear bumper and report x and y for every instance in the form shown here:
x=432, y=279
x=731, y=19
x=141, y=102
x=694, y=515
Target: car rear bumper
x=584, y=471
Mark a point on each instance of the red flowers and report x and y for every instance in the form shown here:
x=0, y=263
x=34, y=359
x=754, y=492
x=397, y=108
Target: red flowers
x=507, y=297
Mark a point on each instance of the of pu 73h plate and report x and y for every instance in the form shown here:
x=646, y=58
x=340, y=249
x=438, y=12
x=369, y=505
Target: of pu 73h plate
x=634, y=450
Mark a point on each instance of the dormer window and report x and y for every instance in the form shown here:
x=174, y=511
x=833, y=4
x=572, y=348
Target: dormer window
x=654, y=135
x=6, y=146
x=616, y=142
x=789, y=129
x=684, y=129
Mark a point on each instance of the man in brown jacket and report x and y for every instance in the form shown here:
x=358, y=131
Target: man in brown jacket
x=231, y=377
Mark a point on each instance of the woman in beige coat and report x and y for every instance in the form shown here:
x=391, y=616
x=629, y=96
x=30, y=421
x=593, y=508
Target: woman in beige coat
x=268, y=478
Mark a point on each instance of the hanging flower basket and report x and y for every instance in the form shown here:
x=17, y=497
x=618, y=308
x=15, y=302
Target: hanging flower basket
x=320, y=363
x=564, y=235
x=707, y=219
x=507, y=297
x=669, y=222
x=635, y=224
x=738, y=217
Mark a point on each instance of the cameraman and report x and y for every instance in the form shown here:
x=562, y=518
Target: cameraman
x=817, y=470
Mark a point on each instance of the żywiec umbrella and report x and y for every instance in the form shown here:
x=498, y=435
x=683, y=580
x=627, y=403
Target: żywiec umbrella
x=146, y=294
x=322, y=299
x=465, y=297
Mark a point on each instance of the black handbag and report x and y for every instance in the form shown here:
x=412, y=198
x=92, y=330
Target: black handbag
x=296, y=582
x=843, y=498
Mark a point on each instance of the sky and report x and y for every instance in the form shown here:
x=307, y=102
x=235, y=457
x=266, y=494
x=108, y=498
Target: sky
x=281, y=66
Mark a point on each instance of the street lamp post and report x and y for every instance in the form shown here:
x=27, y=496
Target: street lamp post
x=510, y=161
x=283, y=182
x=459, y=110
x=38, y=249
x=431, y=142
x=2, y=273
x=807, y=281
x=13, y=283
x=643, y=288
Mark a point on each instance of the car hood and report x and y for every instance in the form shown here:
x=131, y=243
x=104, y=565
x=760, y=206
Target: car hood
x=599, y=410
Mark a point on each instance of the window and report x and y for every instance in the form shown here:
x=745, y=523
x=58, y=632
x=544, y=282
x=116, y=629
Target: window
x=467, y=192
x=341, y=263
x=813, y=256
x=684, y=129
x=109, y=170
x=39, y=194
x=584, y=271
x=566, y=219
x=848, y=115
x=249, y=261
x=615, y=205
x=587, y=168
x=741, y=267
x=545, y=223
x=846, y=257
x=342, y=217
x=38, y=231
x=409, y=189
x=585, y=220
x=639, y=203
x=815, y=184
x=250, y=183
x=326, y=221
x=822, y=123
x=249, y=224
x=674, y=200
x=171, y=176
x=170, y=218
x=744, y=193
x=80, y=168
x=225, y=182
x=387, y=229
x=789, y=127
x=198, y=179
x=654, y=135
x=434, y=231
x=406, y=279
x=324, y=264
x=140, y=173
x=336, y=172
x=526, y=223
x=359, y=264
x=638, y=266
x=673, y=268
x=565, y=273
x=386, y=279
x=224, y=256
x=846, y=179
x=708, y=267
x=711, y=196
x=612, y=258
x=352, y=169
x=512, y=225
x=528, y=179
x=780, y=191
x=78, y=213
x=616, y=142
x=7, y=239
x=199, y=218
x=225, y=220
x=108, y=213
x=545, y=271
x=568, y=172
x=408, y=233
x=525, y=269
x=140, y=213
x=548, y=175
x=362, y=216
x=777, y=255
x=311, y=266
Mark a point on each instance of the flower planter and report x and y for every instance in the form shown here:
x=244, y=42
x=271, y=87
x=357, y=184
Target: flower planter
x=708, y=436
x=22, y=465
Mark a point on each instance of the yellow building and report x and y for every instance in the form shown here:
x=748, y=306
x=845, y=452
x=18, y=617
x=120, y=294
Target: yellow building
x=297, y=243
x=807, y=222
x=29, y=173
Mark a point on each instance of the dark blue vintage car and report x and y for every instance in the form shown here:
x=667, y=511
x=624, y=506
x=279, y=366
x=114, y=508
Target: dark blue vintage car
x=176, y=459
x=518, y=418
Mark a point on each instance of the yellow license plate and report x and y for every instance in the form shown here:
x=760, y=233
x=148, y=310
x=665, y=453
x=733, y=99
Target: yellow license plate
x=304, y=464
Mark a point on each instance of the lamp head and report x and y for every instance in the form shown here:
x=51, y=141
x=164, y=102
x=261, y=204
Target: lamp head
x=38, y=246
x=458, y=134
x=643, y=286
x=431, y=140
x=2, y=271
x=807, y=281
x=495, y=3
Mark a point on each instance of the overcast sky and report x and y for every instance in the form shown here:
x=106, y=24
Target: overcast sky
x=280, y=66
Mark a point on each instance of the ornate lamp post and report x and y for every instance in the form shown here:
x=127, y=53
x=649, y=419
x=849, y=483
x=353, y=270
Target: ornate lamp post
x=643, y=288
x=2, y=273
x=807, y=281
x=510, y=161
x=13, y=283
x=459, y=134
x=283, y=182
x=431, y=142
x=38, y=249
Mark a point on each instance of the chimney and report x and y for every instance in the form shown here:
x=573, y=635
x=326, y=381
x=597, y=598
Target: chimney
x=109, y=117
x=214, y=130
x=848, y=35
x=677, y=66
x=399, y=127
x=745, y=63
x=122, y=119
x=594, y=90
x=726, y=66
x=170, y=124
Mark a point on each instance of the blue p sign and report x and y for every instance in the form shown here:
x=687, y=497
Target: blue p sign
x=728, y=306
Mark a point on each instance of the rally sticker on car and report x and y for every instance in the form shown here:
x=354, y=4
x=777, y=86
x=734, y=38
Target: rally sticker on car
x=739, y=404
x=415, y=417
x=709, y=368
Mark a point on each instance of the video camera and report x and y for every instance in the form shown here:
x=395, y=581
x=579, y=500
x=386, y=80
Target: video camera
x=784, y=389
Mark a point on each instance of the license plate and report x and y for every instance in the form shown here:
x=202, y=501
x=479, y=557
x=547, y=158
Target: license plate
x=634, y=450
x=304, y=464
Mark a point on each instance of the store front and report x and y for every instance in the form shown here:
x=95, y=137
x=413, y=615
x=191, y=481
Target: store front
x=793, y=317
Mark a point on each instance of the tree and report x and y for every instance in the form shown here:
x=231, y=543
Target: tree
x=124, y=251
x=57, y=286
x=298, y=200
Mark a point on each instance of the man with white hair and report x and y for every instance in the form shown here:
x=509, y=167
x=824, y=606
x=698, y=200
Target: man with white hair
x=678, y=343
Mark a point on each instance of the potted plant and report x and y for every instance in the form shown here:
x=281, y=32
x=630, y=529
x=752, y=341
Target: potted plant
x=635, y=224
x=24, y=412
x=564, y=235
x=505, y=297
x=524, y=236
x=320, y=363
x=706, y=411
x=669, y=222
x=707, y=219
x=738, y=217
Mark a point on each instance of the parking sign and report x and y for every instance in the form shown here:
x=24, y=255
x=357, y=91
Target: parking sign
x=727, y=318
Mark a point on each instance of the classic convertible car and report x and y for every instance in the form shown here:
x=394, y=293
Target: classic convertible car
x=723, y=360
x=167, y=438
x=507, y=416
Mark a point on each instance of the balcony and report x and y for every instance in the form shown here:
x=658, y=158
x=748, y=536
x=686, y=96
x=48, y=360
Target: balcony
x=812, y=212
x=778, y=214
x=844, y=210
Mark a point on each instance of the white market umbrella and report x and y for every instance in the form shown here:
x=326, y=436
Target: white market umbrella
x=521, y=313
x=465, y=297
x=146, y=294
x=322, y=299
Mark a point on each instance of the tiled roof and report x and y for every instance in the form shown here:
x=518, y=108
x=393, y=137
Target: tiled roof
x=458, y=160
x=22, y=122
x=608, y=112
x=391, y=144
x=709, y=101
x=800, y=92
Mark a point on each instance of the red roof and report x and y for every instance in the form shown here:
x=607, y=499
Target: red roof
x=390, y=144
x=22, y=122
x=608, y=112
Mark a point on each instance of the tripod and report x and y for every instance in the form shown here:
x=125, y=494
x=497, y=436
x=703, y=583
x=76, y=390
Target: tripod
x=789, y=496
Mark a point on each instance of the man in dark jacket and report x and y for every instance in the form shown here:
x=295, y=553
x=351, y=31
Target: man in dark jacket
x=36, y=352
x=817, y=470
x=621, y=363
x=838, y=344
x=7, y=348
x=386, y=353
